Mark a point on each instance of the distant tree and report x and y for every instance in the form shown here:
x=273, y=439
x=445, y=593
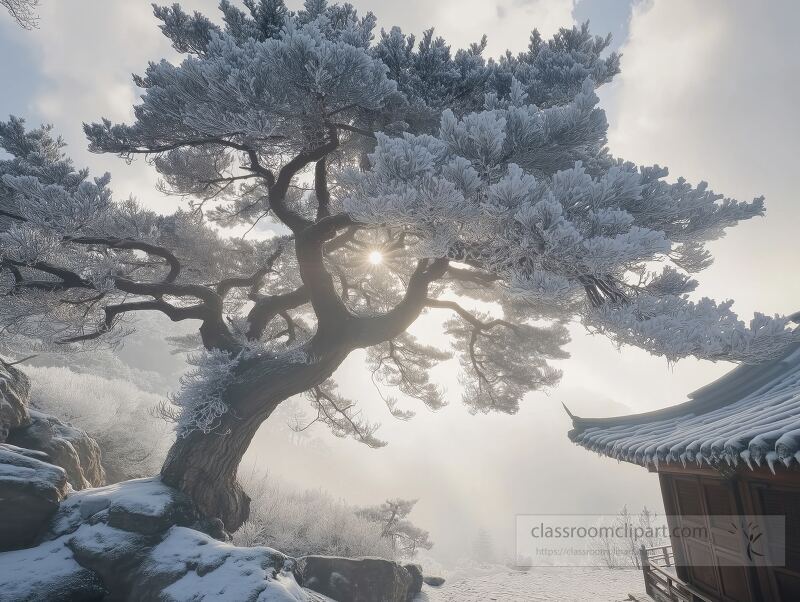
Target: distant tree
x=23, y=12
x=483, y=548
x=631, y=531
x=401, y=178
x=392, y=516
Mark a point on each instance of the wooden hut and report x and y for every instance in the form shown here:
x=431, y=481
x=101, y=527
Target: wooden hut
x=732, y=449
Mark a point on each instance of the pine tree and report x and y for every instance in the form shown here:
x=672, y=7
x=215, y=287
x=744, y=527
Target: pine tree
x=402, y=177
x=22, y=11
x=392, y=516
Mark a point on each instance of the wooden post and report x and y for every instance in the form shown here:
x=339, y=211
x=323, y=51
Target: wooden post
x=645, y=561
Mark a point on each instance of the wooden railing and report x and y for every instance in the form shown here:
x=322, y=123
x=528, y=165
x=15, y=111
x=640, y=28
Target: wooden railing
x=661, y=583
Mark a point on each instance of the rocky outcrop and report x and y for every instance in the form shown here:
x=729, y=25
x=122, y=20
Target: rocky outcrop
x=65, y=445
x=15, y=390
x=141, y=540
x=30, y=491
x=135, y=541
x=355, y=580
x=47, y=572
x=40, y=457
x=415, y=571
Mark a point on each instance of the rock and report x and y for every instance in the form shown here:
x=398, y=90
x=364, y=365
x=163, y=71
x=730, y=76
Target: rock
x=15, y=390
x=189, y=565
x=144, y=506
x=124, y=534
x=355, y=580
x=47, y=572
x=66, y=446
x=433, y=581
x=117, y=543
x=30, y=492
x=415, y=571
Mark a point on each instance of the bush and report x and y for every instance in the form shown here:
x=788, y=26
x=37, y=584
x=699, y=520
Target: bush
x=307, y=522
x=115, y=412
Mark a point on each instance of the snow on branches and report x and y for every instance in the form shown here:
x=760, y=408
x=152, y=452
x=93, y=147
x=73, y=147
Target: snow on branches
x=201, y=398
x=530, y=195
x=401, y=177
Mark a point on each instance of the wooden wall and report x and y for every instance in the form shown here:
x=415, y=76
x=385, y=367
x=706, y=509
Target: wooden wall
x=710, y=562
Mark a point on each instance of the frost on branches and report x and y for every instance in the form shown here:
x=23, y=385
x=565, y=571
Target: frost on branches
x=402, y=177
x=392, y=517
x=201, y=399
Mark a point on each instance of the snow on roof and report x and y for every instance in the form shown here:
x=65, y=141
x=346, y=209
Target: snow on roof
x=751, y=414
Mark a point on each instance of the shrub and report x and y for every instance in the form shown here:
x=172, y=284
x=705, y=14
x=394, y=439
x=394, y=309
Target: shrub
x=115, y=412
x=300, y=523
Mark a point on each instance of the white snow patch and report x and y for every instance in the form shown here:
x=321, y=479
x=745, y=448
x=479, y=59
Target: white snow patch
x=23, y=467
x=45, y=568
x=221, y=571
x=148, y=497
x=539, y=584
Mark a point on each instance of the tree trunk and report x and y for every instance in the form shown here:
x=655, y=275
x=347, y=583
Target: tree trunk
x=204, y=465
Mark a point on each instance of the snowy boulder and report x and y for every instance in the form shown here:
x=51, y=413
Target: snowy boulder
x=144, y=506
x=131, y=542
x=48, y=573
x=15, y=389
x=66, y=446
x=355, y=580
x=433, y=581
x=189, y=565
x=415, y=571
x=30, y=491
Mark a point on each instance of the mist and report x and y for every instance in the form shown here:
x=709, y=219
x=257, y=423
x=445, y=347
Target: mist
x=472, y=472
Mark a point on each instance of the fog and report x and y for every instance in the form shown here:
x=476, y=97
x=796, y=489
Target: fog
x=685, y=98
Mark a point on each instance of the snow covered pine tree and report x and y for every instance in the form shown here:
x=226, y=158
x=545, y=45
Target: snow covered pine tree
x=400, y=176
x=392, y=516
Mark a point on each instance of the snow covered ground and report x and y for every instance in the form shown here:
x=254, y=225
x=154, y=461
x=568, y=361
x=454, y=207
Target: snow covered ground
x=540, y=584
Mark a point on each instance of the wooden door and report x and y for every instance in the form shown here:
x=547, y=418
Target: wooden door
x=708, y=548
x=781, y=583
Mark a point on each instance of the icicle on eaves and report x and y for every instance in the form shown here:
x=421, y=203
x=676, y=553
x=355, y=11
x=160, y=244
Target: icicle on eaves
x=746, y=457
x=771, y=457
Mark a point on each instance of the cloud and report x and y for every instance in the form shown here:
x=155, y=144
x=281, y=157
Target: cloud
x=708, y=88
x=508, y=23
x=83, y=55
x=81, y=60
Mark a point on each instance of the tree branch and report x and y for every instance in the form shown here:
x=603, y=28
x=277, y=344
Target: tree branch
x=253, y=282
x=13, y=216
x=266, y=308
x=373, y=330
x=277, y=192
x=468, y=317
x=354, y=129
x=197, y=312
x=473, y=276
x=130, y=244
x=69, y=279
x=321, y=189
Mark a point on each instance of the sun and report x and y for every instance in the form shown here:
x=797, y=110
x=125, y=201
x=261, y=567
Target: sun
x=375, y=257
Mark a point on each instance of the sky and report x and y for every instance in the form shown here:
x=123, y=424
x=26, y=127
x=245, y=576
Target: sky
x=707, y=88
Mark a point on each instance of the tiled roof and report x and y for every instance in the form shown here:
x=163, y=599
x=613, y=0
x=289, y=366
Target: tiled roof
x=751, y=415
